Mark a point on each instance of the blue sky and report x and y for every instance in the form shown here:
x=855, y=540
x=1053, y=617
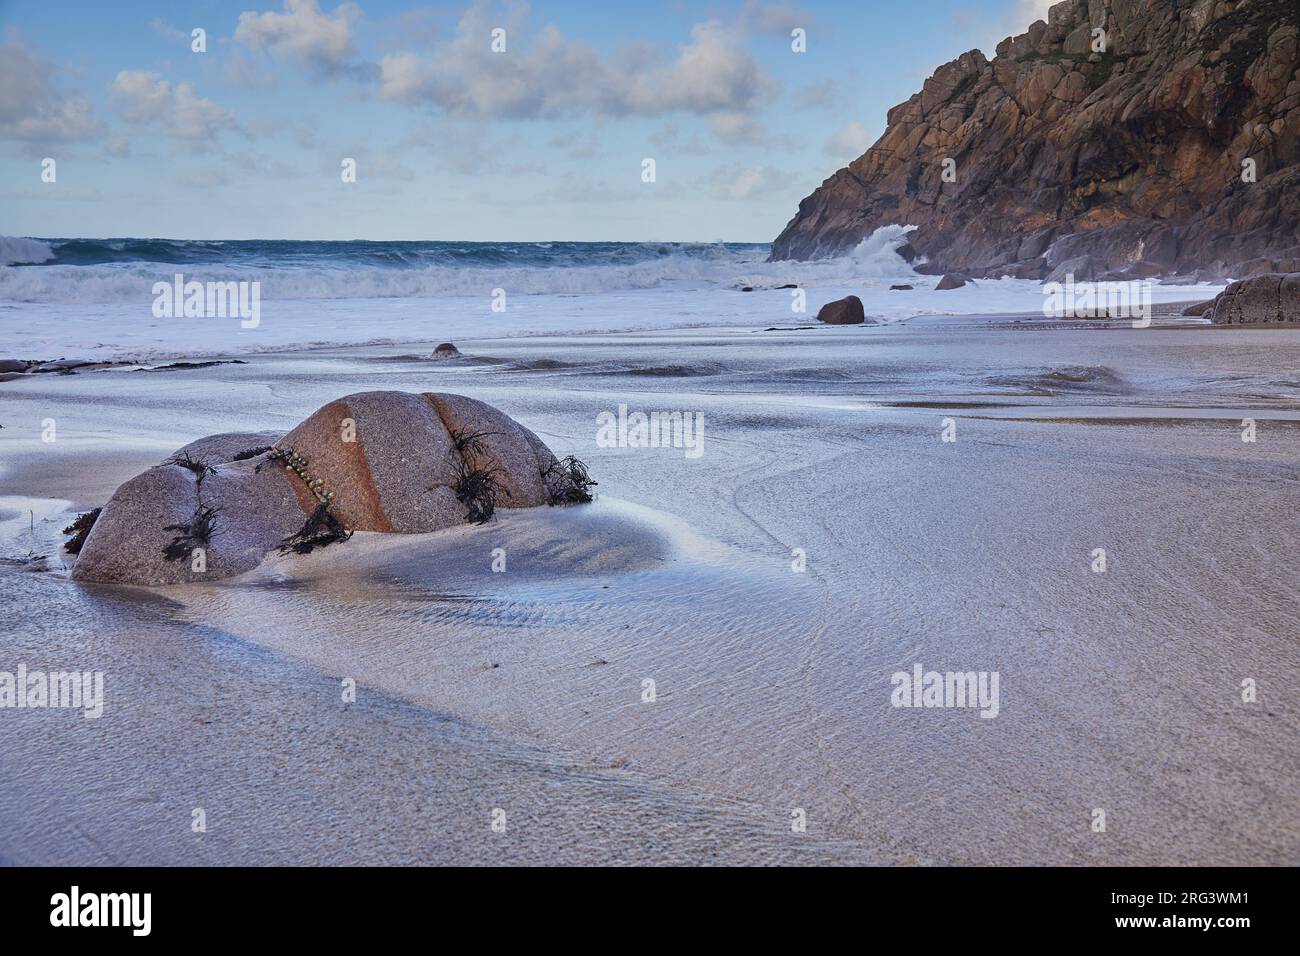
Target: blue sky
x=545, y=140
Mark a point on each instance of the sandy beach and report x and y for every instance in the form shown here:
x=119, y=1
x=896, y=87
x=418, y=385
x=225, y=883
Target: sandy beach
x=525, y=691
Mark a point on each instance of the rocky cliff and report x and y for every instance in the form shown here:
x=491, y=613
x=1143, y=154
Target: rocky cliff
x=1069, y=158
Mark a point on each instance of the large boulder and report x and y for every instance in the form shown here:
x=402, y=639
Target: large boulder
x=846, y=311
x=374, y=461
x=1263, y=300
x=234, y=512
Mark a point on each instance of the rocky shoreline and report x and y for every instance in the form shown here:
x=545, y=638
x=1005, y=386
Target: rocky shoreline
x=17, y=369
x=1118, y=140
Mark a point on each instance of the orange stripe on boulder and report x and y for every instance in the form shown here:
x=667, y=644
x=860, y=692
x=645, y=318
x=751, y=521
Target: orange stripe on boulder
x=341, y=464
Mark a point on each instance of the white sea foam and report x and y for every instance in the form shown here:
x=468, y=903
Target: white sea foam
x=105, y=310
x=683, y=268
x=15, y=250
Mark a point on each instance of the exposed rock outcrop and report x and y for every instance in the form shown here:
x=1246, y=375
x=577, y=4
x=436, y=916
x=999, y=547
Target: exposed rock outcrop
x=846, y=311
x=1059, y=154
x=952, y=280
x=1263, y=300
x=374, y=461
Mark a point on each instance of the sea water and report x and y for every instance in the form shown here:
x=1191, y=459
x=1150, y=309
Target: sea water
x=95, y=298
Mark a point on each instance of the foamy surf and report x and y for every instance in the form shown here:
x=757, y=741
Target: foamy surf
x=17, y=251
x=320, y=294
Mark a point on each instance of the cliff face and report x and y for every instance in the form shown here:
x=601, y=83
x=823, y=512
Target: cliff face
x=1129, y=159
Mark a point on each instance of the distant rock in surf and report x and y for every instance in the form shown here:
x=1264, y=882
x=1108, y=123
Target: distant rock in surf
x=952, y=280
x=373, y=461
x=1082, y=268
x=846, y=311
x=900, y=288
x=446, y=350
x=1264, y=300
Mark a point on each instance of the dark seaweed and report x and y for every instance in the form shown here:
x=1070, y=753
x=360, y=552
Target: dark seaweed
x=198, y=466
x=321, y=529
x=464, y=441
x=80, y=530
x=252, y=453
x=567, y=482
x=197, y=534
x=477, y=489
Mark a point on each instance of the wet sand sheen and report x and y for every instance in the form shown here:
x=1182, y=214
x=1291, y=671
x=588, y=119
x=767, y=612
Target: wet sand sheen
x=1119, y=690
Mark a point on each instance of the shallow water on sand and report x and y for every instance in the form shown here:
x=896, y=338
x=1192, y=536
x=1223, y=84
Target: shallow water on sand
x=1119, y=690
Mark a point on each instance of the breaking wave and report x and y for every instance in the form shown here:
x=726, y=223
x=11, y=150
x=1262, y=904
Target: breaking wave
x=16, y=251
x=124, y=270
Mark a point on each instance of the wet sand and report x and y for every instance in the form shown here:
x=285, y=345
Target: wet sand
x=524, y=690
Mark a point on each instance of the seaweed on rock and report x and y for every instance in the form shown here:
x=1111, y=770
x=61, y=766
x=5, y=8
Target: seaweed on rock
x=464, y=441
x=80, y=530
x=477, y=489
x=251, y=453
x=185, y=460
x=568, y=482
x=321, y=529
x=197, y=534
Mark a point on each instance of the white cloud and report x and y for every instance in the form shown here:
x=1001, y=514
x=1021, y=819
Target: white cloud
x=736, y=128
x=815, y=95
x=556, y=76
x=32, y=107
x=1027, y=11
x=748, y=182
x=208, y=177
x=779, y=18
x=169, y=32
x=849, y=143
x=118, y=146
x=1014, y=20
x=147, y=99
x=303, y=34
x=710, y=73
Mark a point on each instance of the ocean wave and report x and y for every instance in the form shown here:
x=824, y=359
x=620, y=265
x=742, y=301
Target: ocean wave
x=15, y=250
x=103, y=271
